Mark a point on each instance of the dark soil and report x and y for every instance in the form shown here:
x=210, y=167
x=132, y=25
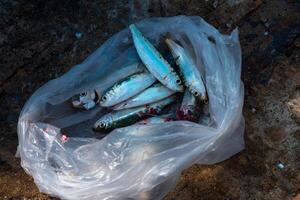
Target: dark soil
x=38, y=43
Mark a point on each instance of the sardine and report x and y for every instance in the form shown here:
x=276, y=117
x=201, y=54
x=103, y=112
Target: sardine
x=122, y=118
x=191, y=75
x=150, y=95
x=156, y=120
x=189, y=108
x=154, y=61
x=89, y=98
x=127, y=88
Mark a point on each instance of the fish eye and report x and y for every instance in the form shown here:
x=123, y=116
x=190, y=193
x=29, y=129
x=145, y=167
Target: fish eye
x=83, y=94
x=104, y=98
x=196, y=93
x=102, y=125
x=178, y=81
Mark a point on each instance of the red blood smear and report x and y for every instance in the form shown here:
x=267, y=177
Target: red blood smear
x=168, y=119
x=182, y=114
x=109, y=109
x=152, y=111
x=64, y=138
x=179, y=114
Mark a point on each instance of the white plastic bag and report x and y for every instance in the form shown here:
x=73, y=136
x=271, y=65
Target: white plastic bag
x=66, y=159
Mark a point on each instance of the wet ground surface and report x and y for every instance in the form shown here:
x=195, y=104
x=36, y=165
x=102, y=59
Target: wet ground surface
x=41, y=40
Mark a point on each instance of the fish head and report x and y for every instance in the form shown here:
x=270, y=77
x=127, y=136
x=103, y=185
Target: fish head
x=111, y=97
x=195, y=92
x=198, y=92
x=104, y=100
x=86, y=100
x=108, y=99
x=104, y=123
x=174, y=82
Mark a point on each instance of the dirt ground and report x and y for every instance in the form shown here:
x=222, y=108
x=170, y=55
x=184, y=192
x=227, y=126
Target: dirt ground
x=40, y=40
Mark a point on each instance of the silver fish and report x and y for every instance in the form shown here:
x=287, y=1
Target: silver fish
x=191, y=75
x=122, y=118
x=154, y=62
x=150, y=95
x=91, y=97
x=156, y=120
x=189, y=108
x=127, y=88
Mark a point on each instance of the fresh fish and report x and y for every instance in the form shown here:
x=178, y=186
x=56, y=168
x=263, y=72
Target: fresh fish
x=127, y=88
x=156, y=120
x=189, y=108
x=154, y=62
x=126, y=117
x=87, y=100
x=91, y=97
x=191, y=75
x=150, y=95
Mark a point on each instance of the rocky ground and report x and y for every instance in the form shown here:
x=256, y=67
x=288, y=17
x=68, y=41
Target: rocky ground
x=41, y=40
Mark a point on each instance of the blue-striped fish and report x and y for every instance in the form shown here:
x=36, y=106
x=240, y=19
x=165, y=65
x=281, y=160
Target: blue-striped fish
x=154, y=61
x=191, y=75
x=127, y=88
x=126, y=117
x=89, y=98
x=150, y=95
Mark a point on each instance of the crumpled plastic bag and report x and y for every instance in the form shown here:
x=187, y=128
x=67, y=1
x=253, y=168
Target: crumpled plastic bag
x=68, y=160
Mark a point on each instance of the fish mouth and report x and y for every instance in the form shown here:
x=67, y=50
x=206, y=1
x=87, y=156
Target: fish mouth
x=205, y=99
x=101, y=126
x=76, y=104
x=106, y=104
x=98, y=128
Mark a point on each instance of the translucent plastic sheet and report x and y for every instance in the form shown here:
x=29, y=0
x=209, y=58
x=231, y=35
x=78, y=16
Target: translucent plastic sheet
x=136, y=162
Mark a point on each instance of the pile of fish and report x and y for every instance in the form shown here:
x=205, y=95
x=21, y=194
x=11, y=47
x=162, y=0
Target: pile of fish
x=143, y=97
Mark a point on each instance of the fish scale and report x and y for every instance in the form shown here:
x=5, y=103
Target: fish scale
x=127, y=88
x=150, y=95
